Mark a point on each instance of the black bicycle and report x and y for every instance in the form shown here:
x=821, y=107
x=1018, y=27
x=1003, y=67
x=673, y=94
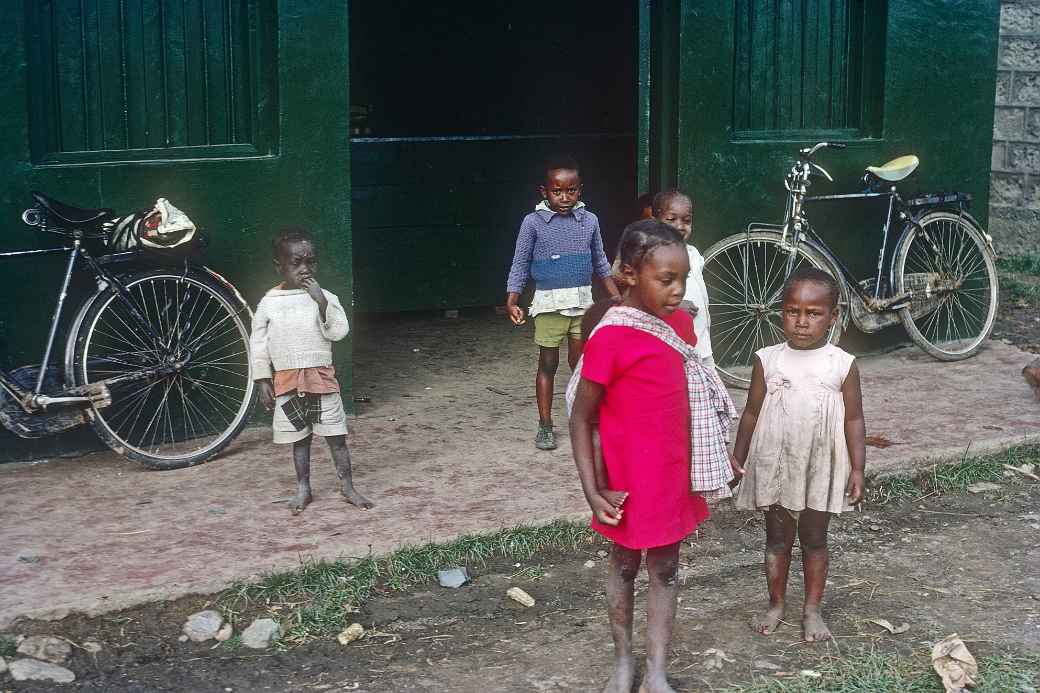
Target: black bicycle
x=940, y=280
x=156, y=358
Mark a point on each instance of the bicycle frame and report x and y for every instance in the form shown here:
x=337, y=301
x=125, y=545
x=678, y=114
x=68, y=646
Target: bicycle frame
x=35, y=399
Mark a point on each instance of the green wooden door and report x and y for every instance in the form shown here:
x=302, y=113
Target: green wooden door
x=758, y=79
x=235, y=110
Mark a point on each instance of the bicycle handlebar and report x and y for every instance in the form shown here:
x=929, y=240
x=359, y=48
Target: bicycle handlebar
x=810, y=152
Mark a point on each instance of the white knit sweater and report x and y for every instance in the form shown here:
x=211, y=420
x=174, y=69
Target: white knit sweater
x=288, y=332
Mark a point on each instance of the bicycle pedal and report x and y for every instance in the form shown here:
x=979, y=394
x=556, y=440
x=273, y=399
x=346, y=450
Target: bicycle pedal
x=98, y=393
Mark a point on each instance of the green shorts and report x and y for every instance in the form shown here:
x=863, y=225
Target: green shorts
x=550, y=329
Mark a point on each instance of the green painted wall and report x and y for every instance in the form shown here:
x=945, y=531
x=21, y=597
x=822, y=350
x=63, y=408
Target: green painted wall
x=937, y=78
x=237, y=199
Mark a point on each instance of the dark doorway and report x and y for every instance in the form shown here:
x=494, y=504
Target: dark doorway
x=454, y=107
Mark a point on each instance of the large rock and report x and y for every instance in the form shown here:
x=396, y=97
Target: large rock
x=3, y=665
x=203, y=626
x=45, y=647
x=261, y=633
x=34, y=670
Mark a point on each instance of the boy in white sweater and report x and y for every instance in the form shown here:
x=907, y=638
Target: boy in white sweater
x=293, y=330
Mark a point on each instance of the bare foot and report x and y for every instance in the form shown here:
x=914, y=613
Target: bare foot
x=302, y=500
x=655, y=684
x=615, y=498
x=355, y=498
x=813, y=627
x=622, y=678
x=767, y=622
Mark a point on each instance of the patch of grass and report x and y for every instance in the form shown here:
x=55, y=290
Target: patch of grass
x=8, y=646
x=872, y=671
x=952, y=478
x=1028, y=263
x=233, y=643
x=317, y=599
x=1020, y=276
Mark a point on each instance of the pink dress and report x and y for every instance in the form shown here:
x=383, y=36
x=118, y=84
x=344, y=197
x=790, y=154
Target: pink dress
x=644, y=427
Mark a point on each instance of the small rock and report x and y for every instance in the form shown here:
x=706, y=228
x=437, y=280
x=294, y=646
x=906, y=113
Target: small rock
x=519, y=596
x=352, y=633
x=92, y=646
x=590, y=564
x=983, y=487
x=601, y=553
x=453, y=577
x=875, y=528
x=225, y=633
x=766, y=664
x=203, y=626
x=3, y=665
x=183, y=638
x=45, y=647
x=34, y=670
x=261, y=633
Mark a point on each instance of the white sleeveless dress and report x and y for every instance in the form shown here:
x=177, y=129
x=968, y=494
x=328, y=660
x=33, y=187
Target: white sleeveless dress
x=798, y=457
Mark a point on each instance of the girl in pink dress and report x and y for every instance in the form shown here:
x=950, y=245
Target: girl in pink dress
x=635, y=383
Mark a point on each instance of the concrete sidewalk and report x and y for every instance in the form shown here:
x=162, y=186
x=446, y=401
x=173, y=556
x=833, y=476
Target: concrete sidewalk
x=443, y=448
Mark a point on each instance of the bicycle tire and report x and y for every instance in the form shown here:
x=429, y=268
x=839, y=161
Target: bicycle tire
x=739, y=328
x=961, y=264
x=195, y=316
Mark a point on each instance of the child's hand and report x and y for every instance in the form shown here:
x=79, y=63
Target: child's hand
x=690, y=308
x=738, y=470
x=605, y=511
x=266, y=391
x=856, y=487
x=516, y=314
x=314, y=290
x=615, y=498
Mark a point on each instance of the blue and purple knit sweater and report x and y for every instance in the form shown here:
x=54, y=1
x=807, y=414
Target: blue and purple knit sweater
x=558, y=251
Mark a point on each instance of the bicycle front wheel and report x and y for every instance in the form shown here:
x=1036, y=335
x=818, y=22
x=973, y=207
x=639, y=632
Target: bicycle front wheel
x=947, y=266
x=201, y=391
x=745, y=275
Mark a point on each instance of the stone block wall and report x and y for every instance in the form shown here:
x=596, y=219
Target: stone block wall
x=1014, y=219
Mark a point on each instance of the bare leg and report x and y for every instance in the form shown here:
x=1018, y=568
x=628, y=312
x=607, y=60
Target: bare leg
x=812, y=535
x=780, y=531
x=624, y=565
x=662, y=564
x=341, y=458
x=548, y=362
x=574, y=349
x=301, y=452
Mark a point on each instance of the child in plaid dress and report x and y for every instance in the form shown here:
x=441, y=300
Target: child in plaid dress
x=294, y=327
x=636, y=377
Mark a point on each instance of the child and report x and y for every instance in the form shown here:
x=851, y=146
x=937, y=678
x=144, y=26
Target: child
x=293, y=330
x=560, y=247
x=801, y=444
x=676, y=209
x=635, y=378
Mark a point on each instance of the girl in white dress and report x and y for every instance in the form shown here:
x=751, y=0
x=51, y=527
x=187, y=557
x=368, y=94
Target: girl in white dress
x=800, y=445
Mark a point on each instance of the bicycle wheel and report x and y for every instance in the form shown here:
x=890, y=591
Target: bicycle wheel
x=189, y=413
x=745, y=275
x=948, y=266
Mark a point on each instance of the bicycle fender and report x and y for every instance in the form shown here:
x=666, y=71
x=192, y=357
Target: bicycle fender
x=231, y=288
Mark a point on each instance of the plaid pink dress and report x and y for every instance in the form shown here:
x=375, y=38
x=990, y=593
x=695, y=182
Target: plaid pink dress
x=644, y=427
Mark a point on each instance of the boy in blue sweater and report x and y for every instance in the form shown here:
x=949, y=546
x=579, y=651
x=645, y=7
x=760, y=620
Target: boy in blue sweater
x=559, y=246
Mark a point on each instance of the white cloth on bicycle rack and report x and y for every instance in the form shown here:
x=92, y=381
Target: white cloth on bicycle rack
x=798, y=457
x=697, y=294
x=288, y=331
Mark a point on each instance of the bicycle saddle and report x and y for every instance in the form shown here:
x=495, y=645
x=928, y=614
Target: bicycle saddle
x=67, y=214
x=896, y=169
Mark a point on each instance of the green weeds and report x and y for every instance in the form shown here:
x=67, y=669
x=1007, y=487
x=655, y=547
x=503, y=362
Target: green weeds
x=317, y=599
x=871, y=671
x=1020, y=276
x=951, y=478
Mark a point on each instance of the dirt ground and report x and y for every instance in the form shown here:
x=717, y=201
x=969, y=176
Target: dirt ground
x=959, y=563
x=1018, y=322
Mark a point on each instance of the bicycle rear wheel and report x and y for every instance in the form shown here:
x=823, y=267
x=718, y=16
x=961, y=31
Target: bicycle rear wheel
x=745, y=275
x=189, y=413
x=947, y=263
